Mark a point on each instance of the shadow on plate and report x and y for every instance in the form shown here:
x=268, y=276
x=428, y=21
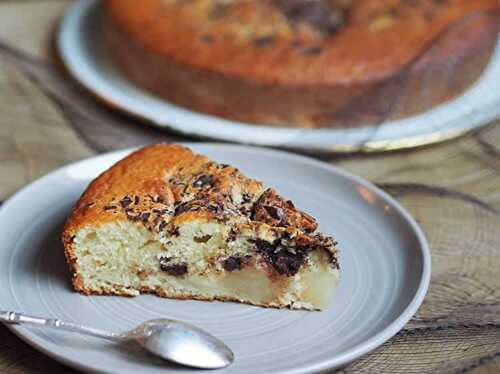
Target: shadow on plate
x=46, y=260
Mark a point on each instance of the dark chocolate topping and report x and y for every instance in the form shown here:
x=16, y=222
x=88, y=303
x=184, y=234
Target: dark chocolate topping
x=324, y=15
x=204, y=181
x=272, y=209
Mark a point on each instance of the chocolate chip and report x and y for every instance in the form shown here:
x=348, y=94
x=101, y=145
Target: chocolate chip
x=281, y=259
x=136, y=200
x=334, y=263
x=181, y=208
x=162, y=225
x=288, y=264
x=155, y=199
x=204, y=181
x=274, y=212
x=232, y=263
x=173, y=230
x=245, y=198
x=264, y=40
x=145, y=217
x=160, y=212
x=109, y=207
x=320, y=14
x=310, y=51
x=202, y=239
x=231, y=237
x=174, y=269
x=125, y=202
x=264, y=247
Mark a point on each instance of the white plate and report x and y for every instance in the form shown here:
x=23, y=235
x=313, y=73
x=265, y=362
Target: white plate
x=385, y=264
x=80, y=44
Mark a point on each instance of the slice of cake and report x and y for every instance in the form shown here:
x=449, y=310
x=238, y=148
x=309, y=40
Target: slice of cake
x=167, y=221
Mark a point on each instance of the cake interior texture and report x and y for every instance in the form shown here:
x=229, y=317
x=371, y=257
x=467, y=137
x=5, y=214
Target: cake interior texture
x=205, y=232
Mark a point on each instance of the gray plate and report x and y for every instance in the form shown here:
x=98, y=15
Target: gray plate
x=385, y=265
x=81, y=47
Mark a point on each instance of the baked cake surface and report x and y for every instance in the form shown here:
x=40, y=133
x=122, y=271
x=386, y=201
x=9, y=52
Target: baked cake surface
x=167, y=221
x=308, y=63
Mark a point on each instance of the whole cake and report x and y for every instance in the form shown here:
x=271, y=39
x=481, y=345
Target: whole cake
x=305, y=63
x=167, y=221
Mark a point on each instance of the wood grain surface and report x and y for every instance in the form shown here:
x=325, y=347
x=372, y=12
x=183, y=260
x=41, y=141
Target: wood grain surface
x=452, y=189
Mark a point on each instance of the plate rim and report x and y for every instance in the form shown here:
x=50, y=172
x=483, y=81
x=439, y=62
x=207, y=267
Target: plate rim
x=355, y=139
x=343, y=358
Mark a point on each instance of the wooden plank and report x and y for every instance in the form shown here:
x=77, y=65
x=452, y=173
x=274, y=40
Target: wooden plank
x=470, y=165
x=34, y=135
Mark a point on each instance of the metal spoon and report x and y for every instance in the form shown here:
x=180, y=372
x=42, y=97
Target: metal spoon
x=173, y=340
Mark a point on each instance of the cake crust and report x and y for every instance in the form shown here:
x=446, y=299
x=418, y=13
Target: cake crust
x=251, y=63
x=160, y=189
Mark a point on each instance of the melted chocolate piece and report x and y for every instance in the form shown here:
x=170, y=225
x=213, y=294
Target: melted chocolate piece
x=289, y=264
x=282, y=260
x=245, y=198
x=235, y=262
x=176, y=270
x=232, y=263
x=265, y=247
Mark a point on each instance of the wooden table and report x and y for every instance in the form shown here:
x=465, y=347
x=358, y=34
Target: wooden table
x=452, y=189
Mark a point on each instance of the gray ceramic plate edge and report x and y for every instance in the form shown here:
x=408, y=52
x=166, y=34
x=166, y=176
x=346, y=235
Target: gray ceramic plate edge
x=343, y=359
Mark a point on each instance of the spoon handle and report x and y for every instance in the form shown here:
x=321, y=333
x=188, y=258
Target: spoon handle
x=57, y=324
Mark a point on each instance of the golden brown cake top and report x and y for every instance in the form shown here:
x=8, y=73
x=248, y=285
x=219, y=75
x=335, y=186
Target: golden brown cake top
x=158, y=184
x=291, y=41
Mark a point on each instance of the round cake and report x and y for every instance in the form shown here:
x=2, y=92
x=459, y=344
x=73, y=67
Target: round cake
x=303, y=63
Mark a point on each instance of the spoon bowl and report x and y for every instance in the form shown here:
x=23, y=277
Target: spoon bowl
x=182, y=343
